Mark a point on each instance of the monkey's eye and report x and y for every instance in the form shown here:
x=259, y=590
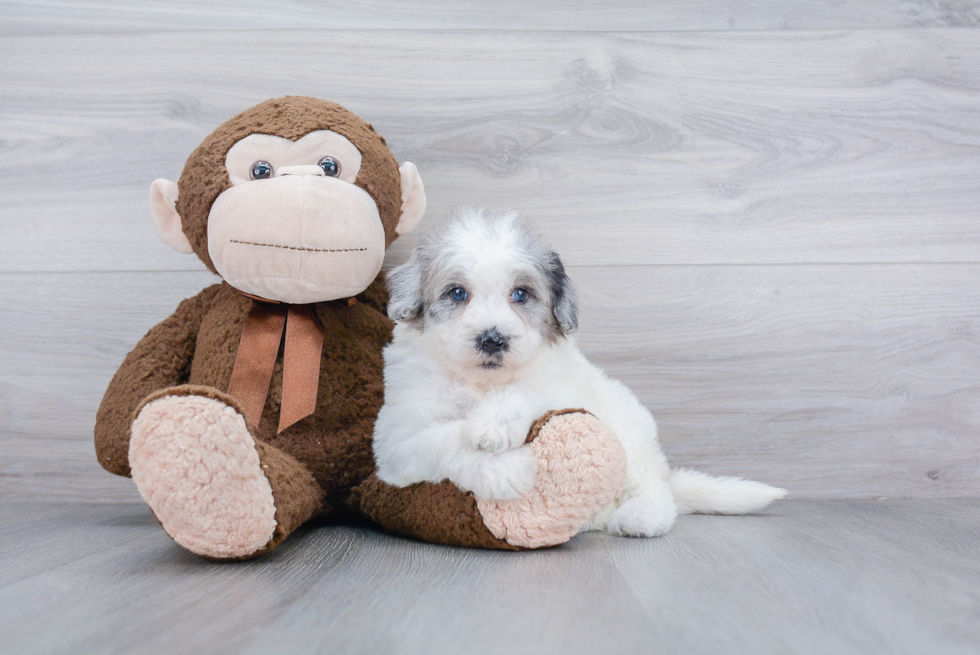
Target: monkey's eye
x=519, y=295
x=330, y=166
x=458, y=294
x=262, y=170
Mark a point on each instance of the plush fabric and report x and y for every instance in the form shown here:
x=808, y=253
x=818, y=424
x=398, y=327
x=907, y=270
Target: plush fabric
x=197, y=346
x=281, y=152
x=439, y=513
x=227, y=489
x=413, y=202
x=205, y=177
x=294, y=492
x=330, y=246
x=163, y=203
x=161, y=359
x=196, y=466
x=581, y=466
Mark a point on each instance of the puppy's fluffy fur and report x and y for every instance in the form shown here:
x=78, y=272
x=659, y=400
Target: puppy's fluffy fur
x=483, y=347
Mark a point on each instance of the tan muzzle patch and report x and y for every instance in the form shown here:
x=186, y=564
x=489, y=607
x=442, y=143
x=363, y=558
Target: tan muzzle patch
x=296, y=238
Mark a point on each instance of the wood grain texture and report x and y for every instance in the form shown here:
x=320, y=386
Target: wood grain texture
x=832, y=381
x=845, y=577
x=775, y=231
x=674, y=148
x=858, y=380
x=550, y=15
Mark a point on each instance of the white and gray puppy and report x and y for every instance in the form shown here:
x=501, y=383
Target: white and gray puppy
x=482, y=346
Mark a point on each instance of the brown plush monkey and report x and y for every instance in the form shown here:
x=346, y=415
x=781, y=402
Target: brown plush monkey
x=250, y=410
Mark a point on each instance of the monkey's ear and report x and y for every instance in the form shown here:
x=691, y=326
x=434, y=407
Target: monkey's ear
x=163, y=207
x=413, y=198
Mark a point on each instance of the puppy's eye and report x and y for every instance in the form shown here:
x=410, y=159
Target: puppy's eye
x=458, y=294
x=261, y=170
x=519, y=295
x=330, y=166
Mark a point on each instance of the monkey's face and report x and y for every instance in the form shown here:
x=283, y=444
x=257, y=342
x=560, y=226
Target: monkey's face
x=292, y=200
x=293, y=226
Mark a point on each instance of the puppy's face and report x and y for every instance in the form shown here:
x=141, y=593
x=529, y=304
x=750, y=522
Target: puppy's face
x=486, y=295
x=489, y=309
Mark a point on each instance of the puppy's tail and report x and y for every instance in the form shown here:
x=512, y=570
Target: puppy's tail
x=697, y=493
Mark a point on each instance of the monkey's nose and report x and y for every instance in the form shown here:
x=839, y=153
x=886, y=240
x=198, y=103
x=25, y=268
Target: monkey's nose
x=304, y=169
x=492, y=342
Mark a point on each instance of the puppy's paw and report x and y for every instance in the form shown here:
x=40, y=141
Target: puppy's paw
x=503, y=476
x=498, y=426
x=644, y=516
x=501, y=434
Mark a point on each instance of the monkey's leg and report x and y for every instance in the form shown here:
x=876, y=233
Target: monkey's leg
x=161, y=359
x=581, y=467
x=215, y=489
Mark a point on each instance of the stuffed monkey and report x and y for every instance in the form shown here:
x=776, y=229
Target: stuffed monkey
x=250, y=410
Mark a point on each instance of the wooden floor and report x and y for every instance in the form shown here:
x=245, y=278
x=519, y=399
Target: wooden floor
x=819, y=577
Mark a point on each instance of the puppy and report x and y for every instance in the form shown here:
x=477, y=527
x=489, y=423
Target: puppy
x=482, y=346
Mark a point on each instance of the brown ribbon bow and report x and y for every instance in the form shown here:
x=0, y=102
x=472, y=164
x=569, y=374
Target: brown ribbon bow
x=257, y=354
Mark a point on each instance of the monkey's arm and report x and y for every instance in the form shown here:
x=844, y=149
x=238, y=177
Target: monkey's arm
x=161, y=359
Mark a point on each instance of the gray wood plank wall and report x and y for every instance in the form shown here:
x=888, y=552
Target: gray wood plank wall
x=771, y=208
x=46, y=16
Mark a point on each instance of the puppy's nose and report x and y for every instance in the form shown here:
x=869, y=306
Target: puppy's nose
x=492, y=342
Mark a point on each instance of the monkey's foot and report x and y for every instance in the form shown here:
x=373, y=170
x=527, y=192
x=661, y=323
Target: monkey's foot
x=581, y=467
x=196, y=465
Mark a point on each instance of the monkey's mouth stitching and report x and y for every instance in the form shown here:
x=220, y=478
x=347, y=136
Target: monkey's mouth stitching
x=276, y=245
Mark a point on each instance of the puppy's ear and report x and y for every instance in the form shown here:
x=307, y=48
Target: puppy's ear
x=405, y=290
x=564, y=303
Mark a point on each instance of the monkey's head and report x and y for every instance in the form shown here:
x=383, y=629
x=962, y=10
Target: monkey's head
x=292, y=200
